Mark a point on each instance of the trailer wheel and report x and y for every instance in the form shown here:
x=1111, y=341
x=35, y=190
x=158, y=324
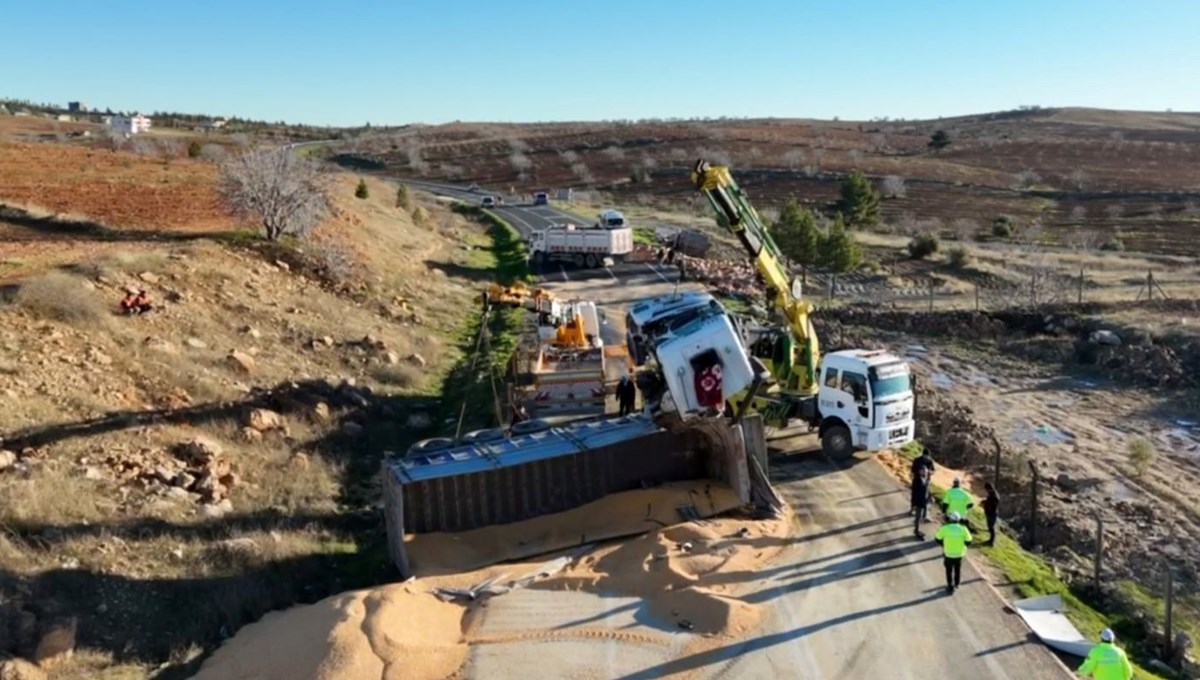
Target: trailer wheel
x=591, y=261
x=578, y=260
x=836, y=442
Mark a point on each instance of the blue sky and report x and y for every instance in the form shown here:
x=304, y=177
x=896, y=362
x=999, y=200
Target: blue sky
x=401, y=61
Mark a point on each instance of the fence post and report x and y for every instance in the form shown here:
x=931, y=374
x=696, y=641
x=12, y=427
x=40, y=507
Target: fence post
x=931, y=293
x=1170, y=642
x=1081, y=285
x=1033, y=507
x=1099, y=558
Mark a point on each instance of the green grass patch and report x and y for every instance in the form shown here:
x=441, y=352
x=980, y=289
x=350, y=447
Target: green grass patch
x=313, y=150
x=507, y=255
x=735, y=305
x=644, y=236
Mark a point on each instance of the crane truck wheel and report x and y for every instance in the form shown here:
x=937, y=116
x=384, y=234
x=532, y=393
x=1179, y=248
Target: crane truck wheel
x=836, y=442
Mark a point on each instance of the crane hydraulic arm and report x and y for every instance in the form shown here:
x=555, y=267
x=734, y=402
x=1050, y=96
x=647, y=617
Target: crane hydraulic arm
x=796, y=369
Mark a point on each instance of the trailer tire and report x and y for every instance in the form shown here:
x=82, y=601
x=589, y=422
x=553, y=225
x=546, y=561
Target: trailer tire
x=591, y=260
x=579, y=260
x=836, y=442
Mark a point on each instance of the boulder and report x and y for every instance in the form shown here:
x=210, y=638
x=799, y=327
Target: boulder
x=417, y=360
x=391, y=358
x=240, y=362
x=198, y=450
x=149, y=277
x=195, y=343
x=264, y=420
x=7, y=459
x=20, y=669
x=250, y=435
x=251, y=331
x=320, y=412
x=57, y=643
x=1105, y=337
x=212, y=510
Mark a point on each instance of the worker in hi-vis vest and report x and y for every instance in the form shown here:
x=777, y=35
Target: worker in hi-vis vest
x=956, y=499
x=1106, y=661
x=953, y=537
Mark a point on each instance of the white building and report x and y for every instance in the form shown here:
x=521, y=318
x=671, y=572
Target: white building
x=128, y=125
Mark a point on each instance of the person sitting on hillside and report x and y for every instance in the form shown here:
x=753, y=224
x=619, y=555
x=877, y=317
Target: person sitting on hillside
x=135, y=302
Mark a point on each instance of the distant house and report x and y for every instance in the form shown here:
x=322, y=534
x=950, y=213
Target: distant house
x=77, y=107
x=64, y=118
x=129, y=125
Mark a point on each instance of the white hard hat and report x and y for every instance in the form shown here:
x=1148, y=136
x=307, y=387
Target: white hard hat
x=1107, y=635
x=954, y=517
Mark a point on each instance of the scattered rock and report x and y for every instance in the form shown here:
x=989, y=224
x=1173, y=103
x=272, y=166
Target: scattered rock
x=1105, y=337
x=242, y=545
x=57, y=643
x=149, y=277
x=282, y=265
x=183, y=480
x=352, y=429
x=226, y=506
x=417, y=360
x=176, y=493
x=198, y=451
x=92, y=472
x=320, y=412
x=250, y=435
x=212, y=510
x=298, y=461
x=391, y=358
x=264, y=420
x=7, y=459
x=195, y=343
x=251, y=331
x=97, y=357
x=160, y=345
x=20, y=669
x=240, y=361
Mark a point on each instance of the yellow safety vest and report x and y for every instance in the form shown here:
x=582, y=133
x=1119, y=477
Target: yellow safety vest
x=957, y=500
x=954, y=538
x=1107, y=661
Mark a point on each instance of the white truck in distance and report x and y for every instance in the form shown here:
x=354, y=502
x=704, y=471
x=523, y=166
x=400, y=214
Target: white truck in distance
x=588, y=247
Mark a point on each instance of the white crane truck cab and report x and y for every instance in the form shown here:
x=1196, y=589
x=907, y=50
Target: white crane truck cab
x=865, y=402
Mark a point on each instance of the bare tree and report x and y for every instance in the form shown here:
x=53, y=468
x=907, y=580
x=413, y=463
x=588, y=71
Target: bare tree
x=1078, y=180
x=1027, y=178
x=1154, y=212
x=1114, y=211
x=519, y=162
x=1083, y=239
x=964, y=228
x=518, y=145
x=582, y=173
x=143, y=146
x=616, y=153
x=892, y=186
x=879, y=142
x=793, y=158
x=212, y=152
x=569, y=157
x=1078, y=214
x=1033, y=232
x=1191, y=209
x=678, y=155
x=856, y=158
x=415, y=162
x=284, y=193
x=241, y=139
x=169, y=149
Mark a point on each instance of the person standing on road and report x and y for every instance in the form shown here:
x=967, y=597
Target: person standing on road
x=1106, y=661
x=626, y=395
x=922, y=467
x=954, y=538
x=957, y=500
x=920, y=501
x=991, y=510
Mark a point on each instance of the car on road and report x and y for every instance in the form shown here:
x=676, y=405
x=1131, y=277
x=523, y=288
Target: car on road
x=488, y=202
x=473, y=188
x=541, y=198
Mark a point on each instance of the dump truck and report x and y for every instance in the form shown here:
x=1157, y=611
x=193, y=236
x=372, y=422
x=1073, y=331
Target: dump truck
x=583, y=247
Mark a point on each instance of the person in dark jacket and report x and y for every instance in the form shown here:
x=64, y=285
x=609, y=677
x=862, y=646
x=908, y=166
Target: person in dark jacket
x=922, y=468
x=991, y=510
x=920, y=501
x=626, y=396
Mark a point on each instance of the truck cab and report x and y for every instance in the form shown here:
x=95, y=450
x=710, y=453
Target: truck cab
x=541, y=198
x=648, y=319
x=865, y=401
x=610, y=219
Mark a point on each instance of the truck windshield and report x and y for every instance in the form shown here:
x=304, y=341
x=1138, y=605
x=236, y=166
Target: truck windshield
x=889, y=386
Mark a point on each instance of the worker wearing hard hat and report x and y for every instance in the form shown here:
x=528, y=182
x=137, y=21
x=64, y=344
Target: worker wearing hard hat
x=957, y=500
x=1106, y=661
x=954, y=538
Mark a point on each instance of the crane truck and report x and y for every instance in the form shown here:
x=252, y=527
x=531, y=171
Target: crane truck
x=855, y=399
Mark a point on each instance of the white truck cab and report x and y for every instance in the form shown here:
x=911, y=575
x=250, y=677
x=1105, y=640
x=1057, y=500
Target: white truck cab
x=648, y=319
x=703, y=364
x=865, y=401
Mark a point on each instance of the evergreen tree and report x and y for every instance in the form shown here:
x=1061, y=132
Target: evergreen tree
x=402, y=196
x=859, y=204
x=361, y=191
x=797, y=235
x=837, y=249
x=939, y=140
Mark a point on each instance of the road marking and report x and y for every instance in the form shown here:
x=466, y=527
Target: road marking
x=564, y=272
x=513, y=214
x=655, y=270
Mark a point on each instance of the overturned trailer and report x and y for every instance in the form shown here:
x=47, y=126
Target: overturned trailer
x=561, y=468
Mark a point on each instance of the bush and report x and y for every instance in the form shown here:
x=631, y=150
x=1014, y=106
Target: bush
x=63, y=297
x=361, y=190
x=195, y=148
x=1141, y=456
x=958, y=257
x=1003, y=227
x=1113, y=244
x=923, y=245
x=402, y=197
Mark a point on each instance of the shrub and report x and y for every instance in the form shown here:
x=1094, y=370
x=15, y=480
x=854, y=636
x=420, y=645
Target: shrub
x=62, y=297
x=1141, y=456
x=1003, y=227
x=1113, y=244
x=361, y=191
x=923, y=245
x=195, y=148
x=402, y=197
x=958, y=257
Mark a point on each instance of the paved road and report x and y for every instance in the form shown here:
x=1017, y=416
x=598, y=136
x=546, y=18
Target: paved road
x=854, y=596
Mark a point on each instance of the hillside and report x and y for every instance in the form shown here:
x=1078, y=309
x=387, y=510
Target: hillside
x=169, y=477
x=1133, y=173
